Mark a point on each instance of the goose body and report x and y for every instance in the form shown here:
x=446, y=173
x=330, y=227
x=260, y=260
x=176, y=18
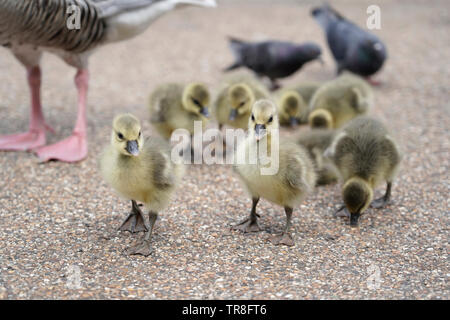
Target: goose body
x=30, y=27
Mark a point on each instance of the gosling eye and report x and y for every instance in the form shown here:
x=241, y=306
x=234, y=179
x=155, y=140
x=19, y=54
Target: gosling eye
x=241, y=104
x=139, y=134
x=253, y=117
x=196, y=102
x=120, y=135
x=270, y=119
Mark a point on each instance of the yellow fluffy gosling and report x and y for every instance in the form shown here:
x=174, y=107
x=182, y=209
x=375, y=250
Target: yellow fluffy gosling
x=288, y=185
x=139, y=171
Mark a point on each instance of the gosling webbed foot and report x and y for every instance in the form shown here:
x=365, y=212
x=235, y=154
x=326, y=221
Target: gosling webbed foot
x=133, y=223
x=247, y=225
x=144, y=249
x=342, y=212
x=379, y=203
x=284, y=238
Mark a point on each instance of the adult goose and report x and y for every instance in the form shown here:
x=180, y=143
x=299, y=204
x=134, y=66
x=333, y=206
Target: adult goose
x=71, y=29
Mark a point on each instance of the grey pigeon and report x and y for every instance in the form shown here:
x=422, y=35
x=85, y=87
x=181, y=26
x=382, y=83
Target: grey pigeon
x=353, y=48
x=272, y=59
x=71, y=29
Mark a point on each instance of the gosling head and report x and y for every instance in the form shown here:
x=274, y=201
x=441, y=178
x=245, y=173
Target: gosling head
x=293, y=106
x=357, y=196
x=263, y=120
x=320, y=118
x=126, y=135
x=241, y=99
x=196, y=99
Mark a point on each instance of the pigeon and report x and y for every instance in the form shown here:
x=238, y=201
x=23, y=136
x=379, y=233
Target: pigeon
x=71, y=29
x=272, y=59
x=353, y=48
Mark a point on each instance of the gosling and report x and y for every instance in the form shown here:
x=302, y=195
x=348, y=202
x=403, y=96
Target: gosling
x=174, y=106
x=141, y=172
x=316, y=141
x=365, y=155
x=306, y=90
x=294, y=109
x=289, y=185
x=235, y=99
x=291, y=108
x=338, y=101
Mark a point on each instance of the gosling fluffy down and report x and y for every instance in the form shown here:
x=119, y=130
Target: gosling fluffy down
x=339, y=100
x=139, y=170
x=174, y=106
x=365, y=155
x=316, y=141
x=291, y=108
x=293, y=103
x=289, y=184
x=235, y=99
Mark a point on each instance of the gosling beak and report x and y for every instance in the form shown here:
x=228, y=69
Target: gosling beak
x=354, y=219
x=233, y=114
x=132, y=147
x=260, y=131
x=204, y=111
x=293, y=121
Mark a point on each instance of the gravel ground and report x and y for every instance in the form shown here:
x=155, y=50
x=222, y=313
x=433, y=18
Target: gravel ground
x=58, y=220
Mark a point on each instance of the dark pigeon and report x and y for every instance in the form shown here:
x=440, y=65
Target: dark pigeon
x=272, y=59
x=353, y=48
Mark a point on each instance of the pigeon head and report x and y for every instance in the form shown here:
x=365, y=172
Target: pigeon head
x=310, y=51
x=372, y=50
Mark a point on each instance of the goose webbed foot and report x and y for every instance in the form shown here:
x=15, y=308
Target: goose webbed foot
x=23, y=141
x=144, y=249
x=251, y=223
x=71, y=149
x=342, y=212
x=133, y=223
x=284, y=238
x=248, y=225
x=135, y=220
x=384, y=200
x=379, y=203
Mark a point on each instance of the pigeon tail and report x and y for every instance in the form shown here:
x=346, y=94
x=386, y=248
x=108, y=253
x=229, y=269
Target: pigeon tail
x=334, y=11
x=236, y=46
x=326, y=15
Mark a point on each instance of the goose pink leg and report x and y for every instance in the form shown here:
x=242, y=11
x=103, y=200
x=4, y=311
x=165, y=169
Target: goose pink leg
x=35, y=137
x=73, y=148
